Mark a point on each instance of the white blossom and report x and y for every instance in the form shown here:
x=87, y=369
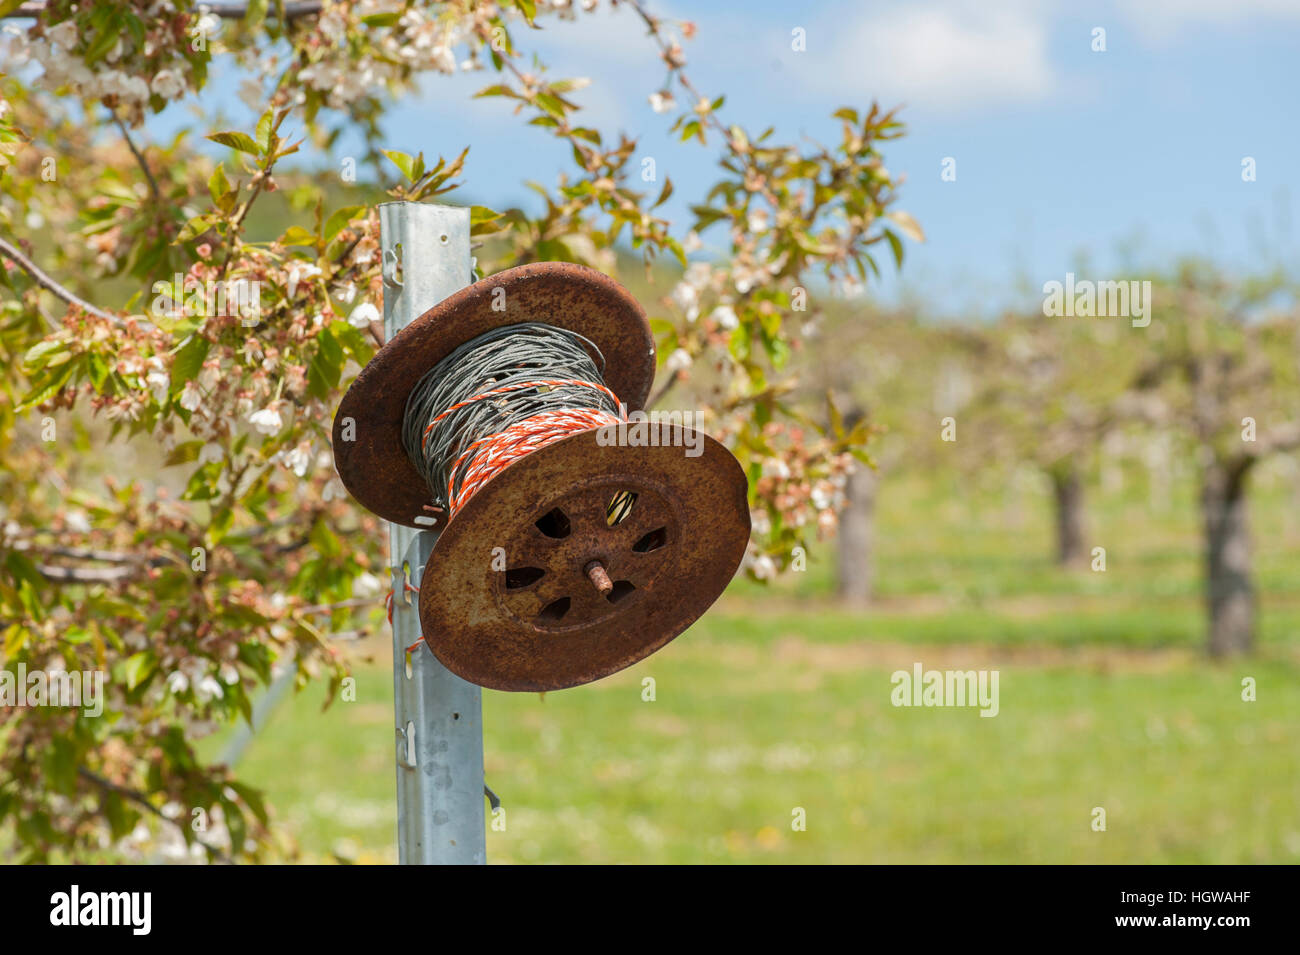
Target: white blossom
x=207, y=689
x=725, y=317
x=159, y=383
x=679, y=360
x=367, y=585
x=168, y=84
x=191, y=397
x=299, y=459
x=64, y=35
x=763, y=567
x=777, y=468
x=267, y=420
x=662, y=101
x=686, y=298
x=363, y=315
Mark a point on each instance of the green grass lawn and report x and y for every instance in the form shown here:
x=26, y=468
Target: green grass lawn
x=780, y=700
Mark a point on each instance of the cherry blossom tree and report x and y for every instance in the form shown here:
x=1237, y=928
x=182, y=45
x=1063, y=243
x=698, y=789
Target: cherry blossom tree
x=139, y=311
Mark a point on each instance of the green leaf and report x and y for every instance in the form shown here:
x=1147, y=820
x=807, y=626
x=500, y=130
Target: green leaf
x=326, y=366
x=553, y=105
x=32, y=360
x=403, y=161
x=189, y=361
x=664, y=194
x=911, y=228
x=219, y=188
x=47, y=386
x=706, y=216
x=481, y=214
x=104, y=41
x=341, y=217
x=895, y=246
x=297, y=235
x=183, y=453
x=252, y=798
x=236, y=140
x=196, y=227
x=138, y=668
x=264, y=127
x=201, y=485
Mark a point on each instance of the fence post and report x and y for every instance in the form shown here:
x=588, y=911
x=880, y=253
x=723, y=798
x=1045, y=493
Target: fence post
x=426, y=257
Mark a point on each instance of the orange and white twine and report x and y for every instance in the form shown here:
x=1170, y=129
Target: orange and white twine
x=493, y=453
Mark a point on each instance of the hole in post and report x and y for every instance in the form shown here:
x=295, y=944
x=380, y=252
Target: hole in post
x=621, y=589
x=444, y=238
x=620, y=506
x=554, y=611
x=397, y=263
x=410, y=743
x=520, y=577
x=554, y=523
x=652, y=541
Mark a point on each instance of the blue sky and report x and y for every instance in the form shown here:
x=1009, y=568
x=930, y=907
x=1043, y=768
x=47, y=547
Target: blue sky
x=1065, y=157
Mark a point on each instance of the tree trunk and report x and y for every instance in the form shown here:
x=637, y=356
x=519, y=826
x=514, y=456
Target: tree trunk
x=856, y=538
x=1230, y=592
x=1067, y=491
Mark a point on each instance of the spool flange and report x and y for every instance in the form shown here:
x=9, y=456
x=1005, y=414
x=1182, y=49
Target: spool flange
x=531, y=587
x=374, y=466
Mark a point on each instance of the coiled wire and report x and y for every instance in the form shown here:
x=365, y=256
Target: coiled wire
x=499, y=397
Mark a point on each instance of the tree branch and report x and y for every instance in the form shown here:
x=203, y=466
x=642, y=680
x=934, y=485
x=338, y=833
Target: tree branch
x=85, y=575
x=139, y=158
x=226, y=11
x=44, y=281
x=1285, y=438
x=143, y=802
x=667, y=386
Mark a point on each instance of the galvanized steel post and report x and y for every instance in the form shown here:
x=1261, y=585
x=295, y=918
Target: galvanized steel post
x=426, y=257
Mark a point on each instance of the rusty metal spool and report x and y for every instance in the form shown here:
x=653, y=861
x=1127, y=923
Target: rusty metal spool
x=374, y=467
x=538, y=583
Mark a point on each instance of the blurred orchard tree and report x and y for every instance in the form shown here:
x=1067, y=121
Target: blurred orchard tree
x=1047, y=391
x=1223, y=373
x=187, y=604
x=878, y=372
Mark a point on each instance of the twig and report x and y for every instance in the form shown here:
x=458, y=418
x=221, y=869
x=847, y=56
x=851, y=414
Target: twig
x=44, y=281
x=667, y=386
x=85, y=575
x=139, y=158
x=107, y=556
x=226, y=11
x=341, y=605
x=141, y=800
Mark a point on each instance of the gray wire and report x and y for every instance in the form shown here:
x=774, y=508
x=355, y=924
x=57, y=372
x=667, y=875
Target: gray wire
x=500, y=357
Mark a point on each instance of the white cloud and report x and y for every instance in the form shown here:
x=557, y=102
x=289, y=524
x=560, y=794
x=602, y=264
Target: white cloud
x=936, y=54
x=1161, y=19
